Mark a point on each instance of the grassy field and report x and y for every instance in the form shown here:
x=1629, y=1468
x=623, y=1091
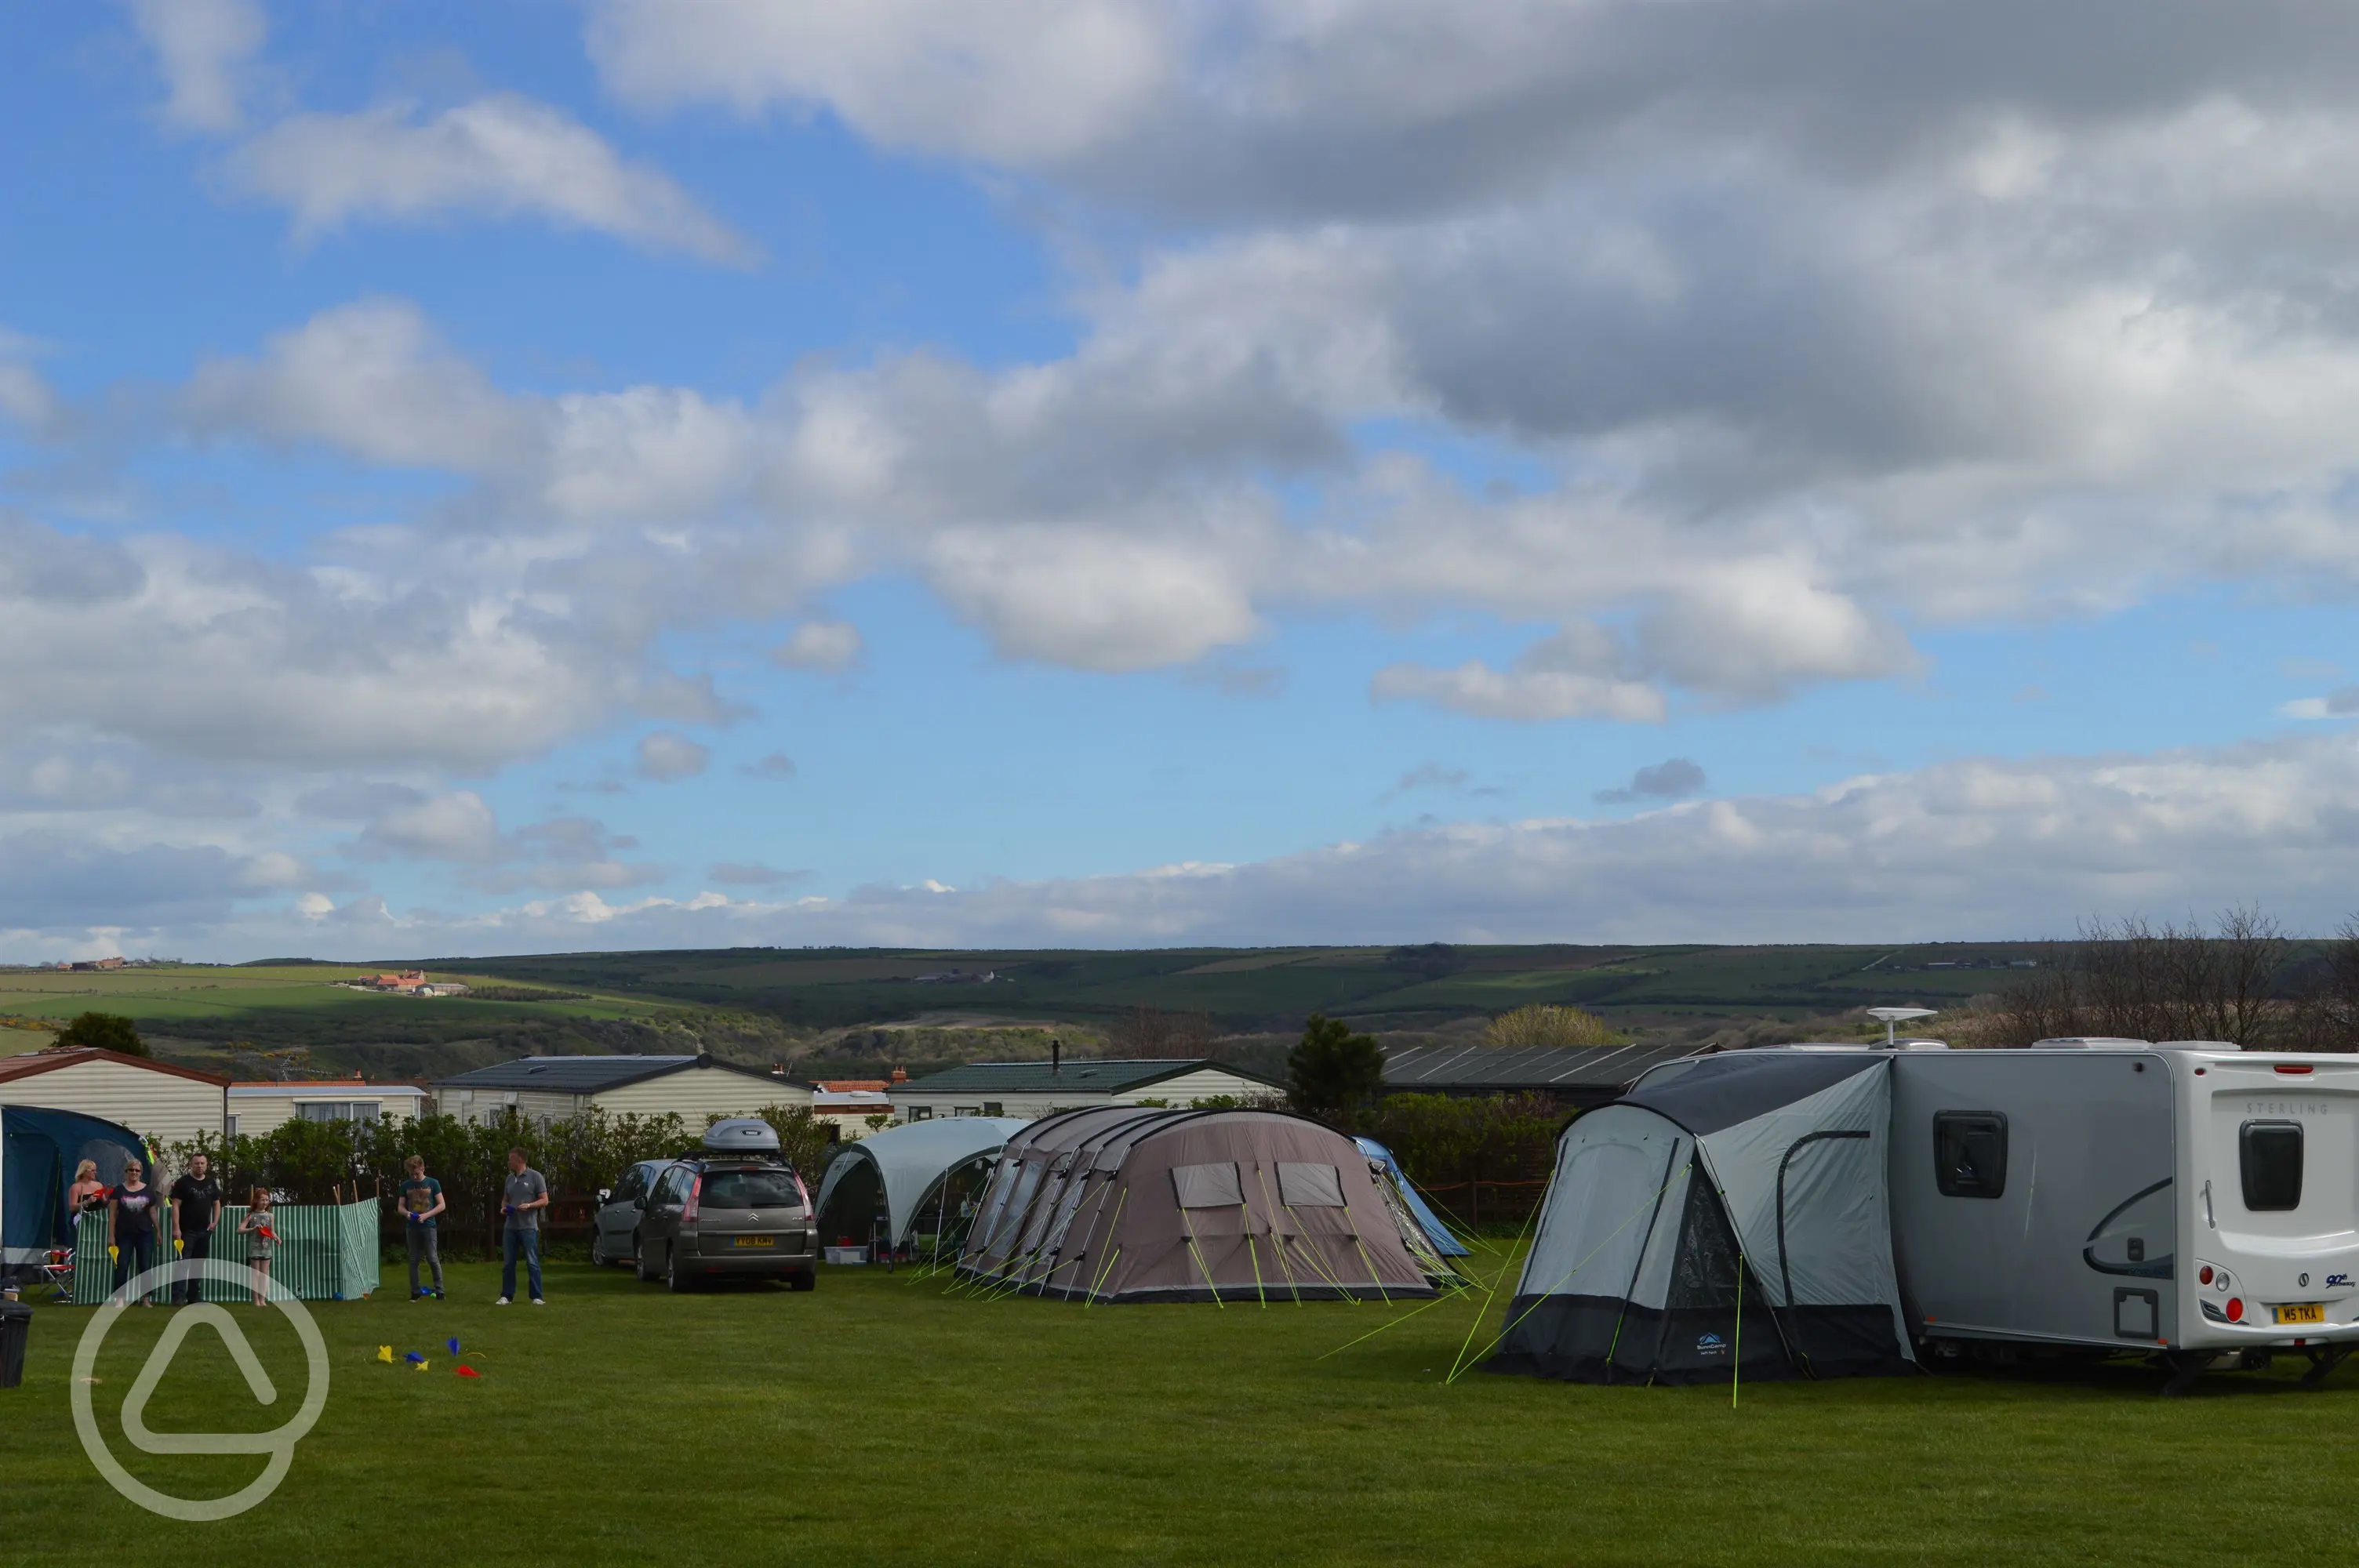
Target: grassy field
x=882, y=1421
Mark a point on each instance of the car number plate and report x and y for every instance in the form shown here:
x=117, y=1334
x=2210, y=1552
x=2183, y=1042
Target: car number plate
x=773, y=1241
x=2302, y=1312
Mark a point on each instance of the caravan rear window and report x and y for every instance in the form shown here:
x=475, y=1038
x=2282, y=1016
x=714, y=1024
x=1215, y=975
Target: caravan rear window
x=2270, y=1154
x=1970, y=1154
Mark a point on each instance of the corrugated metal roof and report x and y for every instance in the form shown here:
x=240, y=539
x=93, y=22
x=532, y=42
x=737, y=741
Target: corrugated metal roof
x=1081, y=1077
x=1560, y=1069
x=575, y=1074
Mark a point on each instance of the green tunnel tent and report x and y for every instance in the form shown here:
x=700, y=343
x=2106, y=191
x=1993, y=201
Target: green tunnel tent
x=909, y=1175
x=1748, y=1184
x=39, y=1149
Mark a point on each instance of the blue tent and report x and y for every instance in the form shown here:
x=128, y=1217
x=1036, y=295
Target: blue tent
x=1448, y=1244
x=39, y=1151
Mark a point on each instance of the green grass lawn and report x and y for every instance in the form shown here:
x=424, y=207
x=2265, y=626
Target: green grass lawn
x=881, y=1420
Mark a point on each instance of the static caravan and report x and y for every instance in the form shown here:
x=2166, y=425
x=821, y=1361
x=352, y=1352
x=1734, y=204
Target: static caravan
x=2187, y=1198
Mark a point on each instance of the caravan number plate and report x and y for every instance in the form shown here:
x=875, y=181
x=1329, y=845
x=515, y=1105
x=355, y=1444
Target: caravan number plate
x=2302, y=1312
x=773, y=1241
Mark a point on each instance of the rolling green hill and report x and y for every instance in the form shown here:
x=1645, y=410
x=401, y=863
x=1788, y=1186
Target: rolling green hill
x=856, y=1010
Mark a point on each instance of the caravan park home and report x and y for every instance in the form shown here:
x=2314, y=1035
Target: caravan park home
x=554, y=1088
x=1040, y=1089
x=152, y=1098
x=256, y=1109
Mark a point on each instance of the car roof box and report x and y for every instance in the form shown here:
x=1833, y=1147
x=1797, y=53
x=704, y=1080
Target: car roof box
x=742, y=1135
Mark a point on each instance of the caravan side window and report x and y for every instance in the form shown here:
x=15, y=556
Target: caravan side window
x=1970, y=1154
x=2270, y=1154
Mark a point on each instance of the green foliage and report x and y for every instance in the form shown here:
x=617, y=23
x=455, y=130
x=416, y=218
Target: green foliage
x=804, y=1141
x=103, y=1031
x=1333, y=1072
x=1442, y=1141
x=1544, y=1026
x=316, y=1162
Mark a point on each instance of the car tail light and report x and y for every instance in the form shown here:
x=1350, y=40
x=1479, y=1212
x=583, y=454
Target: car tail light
x=802, y=1192
x=2235, y=1309
x=688, y=1209
x=2203, y=1275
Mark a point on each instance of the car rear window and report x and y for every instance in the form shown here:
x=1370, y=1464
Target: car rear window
x=748, y=1189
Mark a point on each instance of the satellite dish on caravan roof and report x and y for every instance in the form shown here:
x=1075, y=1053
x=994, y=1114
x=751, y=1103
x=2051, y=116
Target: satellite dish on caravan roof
x=1888, y=1016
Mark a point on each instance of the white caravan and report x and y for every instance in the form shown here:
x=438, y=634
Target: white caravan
x=2188, y=1198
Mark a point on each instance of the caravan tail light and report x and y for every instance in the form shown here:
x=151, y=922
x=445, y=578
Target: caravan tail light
x=688, y=1209
x=2294, y=1067
x=2235, y=1309
x=2203, y=1275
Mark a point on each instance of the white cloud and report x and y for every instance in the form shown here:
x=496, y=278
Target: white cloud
x=820, y=646
x=498, y=157
x=1026, y=79
x=1982, y=848
x=459, y=826
x=666, y=756
x=204, y=47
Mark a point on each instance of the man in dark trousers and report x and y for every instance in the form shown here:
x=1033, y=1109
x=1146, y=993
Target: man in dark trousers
x=196, y=1204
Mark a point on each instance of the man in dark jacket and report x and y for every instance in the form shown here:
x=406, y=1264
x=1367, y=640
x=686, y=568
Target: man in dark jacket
x=196, y=1204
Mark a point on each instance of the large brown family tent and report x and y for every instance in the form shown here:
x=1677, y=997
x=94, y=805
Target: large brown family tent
x=1135, y=1203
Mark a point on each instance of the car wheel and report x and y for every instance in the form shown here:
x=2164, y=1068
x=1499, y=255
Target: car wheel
x=674, y=1281
x=639, y=1263
x=595, y=1261
x=807, y=1280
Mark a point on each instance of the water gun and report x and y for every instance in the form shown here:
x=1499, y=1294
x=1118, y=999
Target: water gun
x=265, y=1231
x=114, y=1253
x=178, y=1244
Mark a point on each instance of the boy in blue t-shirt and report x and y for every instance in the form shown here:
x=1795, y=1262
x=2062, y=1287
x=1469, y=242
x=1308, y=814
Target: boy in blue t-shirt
x=421, y=1200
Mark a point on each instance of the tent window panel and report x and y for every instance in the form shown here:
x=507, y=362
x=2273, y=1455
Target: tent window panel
x=1703, y=1271
x=2269, y=1153
x=1970, y=1154
x=1208, y=1186
x=1309, y=1186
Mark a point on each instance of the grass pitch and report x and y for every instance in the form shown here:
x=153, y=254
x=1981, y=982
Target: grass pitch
x=881, y=1420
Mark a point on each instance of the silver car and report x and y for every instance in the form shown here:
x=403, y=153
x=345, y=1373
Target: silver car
x=613, y=1234
x=734, y=1210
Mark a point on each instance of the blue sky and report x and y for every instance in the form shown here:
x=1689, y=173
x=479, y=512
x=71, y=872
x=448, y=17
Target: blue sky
x=480, y=479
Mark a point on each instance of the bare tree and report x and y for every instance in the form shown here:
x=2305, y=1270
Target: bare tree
x=2326, y=1001
x=2132, y=979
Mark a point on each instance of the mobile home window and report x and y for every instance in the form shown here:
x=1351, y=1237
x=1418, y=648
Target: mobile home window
x=1970, y=1154
x=2270, y=1154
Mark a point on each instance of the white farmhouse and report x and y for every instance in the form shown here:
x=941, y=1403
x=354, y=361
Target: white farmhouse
x=554, y=1088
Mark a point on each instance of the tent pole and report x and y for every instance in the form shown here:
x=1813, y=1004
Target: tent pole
x=1736, y=1351
x=1277, y=1243
x=1193, y=1251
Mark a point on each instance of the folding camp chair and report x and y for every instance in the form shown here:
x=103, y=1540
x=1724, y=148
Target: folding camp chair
x=58, y=1271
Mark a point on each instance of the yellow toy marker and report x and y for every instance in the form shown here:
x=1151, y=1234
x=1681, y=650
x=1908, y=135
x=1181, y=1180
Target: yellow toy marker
x=385, y=1354
x=421, y=1366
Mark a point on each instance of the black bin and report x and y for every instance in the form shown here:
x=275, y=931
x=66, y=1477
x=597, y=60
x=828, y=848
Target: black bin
x=16, y=1328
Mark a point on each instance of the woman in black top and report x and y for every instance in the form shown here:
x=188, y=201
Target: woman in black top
x=131, y=1226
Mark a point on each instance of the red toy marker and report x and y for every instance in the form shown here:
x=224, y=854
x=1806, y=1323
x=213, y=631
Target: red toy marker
x=466, y=1371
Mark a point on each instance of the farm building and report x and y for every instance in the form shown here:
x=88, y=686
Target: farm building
x=1582, y=1076
x=153, y=1099
x=1041, y=1088
x=256, y=1109
x=554, y=1088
